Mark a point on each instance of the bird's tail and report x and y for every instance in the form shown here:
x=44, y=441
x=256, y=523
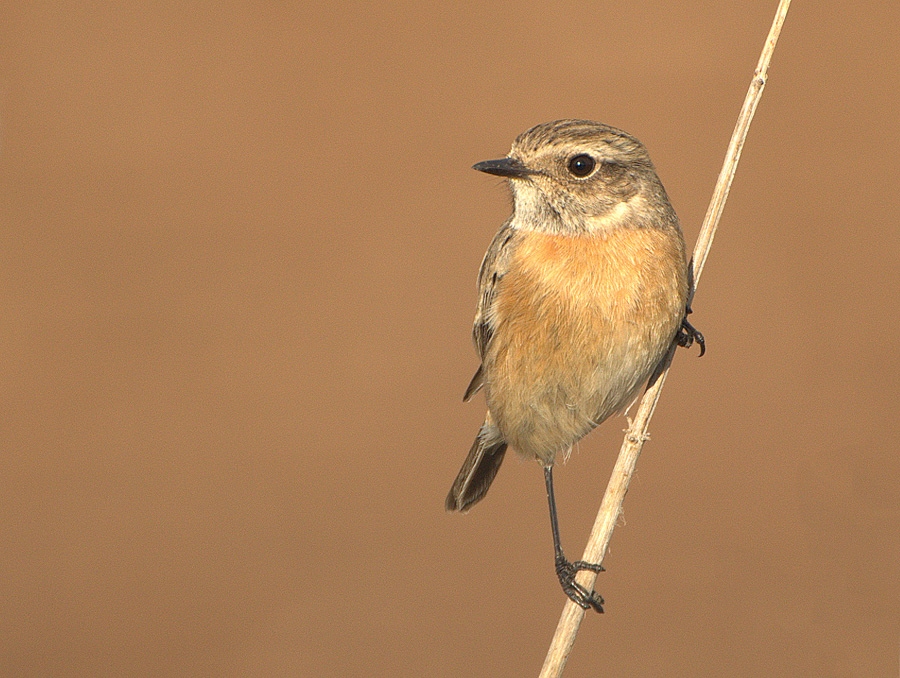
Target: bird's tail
x=479, y=468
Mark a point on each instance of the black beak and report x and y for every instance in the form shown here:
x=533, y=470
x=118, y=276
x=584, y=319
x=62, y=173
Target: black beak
x=504, y=167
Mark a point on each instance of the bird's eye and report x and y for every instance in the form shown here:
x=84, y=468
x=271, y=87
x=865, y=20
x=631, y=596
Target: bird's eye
x=581, y=165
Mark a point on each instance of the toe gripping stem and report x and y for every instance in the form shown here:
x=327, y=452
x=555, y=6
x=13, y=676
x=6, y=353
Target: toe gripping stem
x=688, y=334
x=580, y=595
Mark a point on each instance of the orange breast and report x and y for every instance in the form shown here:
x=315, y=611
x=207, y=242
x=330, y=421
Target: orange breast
x=579, y=324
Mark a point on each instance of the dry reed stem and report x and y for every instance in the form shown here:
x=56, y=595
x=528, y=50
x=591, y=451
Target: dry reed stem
x=611, y=506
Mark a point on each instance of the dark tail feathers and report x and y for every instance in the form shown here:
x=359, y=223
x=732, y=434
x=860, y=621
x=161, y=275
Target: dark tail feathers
x=478, y=470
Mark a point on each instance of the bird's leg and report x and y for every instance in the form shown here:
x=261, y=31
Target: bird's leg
x=566, y=570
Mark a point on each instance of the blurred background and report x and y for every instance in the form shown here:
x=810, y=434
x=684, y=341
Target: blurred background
x=239, y=248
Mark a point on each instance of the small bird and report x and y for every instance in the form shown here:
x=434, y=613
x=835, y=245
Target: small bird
x=581, y=295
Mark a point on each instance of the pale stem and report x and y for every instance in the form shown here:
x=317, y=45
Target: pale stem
x=611, y=506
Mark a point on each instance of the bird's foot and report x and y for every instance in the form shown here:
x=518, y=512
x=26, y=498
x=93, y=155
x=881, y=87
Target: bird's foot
x=579, y=595
x=688, y=334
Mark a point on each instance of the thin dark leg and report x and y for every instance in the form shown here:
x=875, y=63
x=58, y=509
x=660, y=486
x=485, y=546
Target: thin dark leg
x=565, y=570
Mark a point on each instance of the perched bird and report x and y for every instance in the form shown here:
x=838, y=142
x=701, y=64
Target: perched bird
x=582, y=293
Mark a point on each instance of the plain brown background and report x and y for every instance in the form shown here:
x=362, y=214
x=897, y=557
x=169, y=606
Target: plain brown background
x=239, y=245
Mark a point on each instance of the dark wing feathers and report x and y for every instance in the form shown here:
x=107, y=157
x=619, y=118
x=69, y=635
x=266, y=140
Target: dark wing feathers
x=493, y=268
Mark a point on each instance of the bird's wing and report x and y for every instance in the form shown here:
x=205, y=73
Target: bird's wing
x=493, y=268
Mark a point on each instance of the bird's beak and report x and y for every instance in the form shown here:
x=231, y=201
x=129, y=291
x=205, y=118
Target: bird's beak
x=504, y=167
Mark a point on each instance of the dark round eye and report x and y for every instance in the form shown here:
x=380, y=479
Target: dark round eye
x=581, y=165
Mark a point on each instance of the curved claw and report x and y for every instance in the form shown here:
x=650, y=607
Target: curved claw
x=582, y=597
x=688, y=334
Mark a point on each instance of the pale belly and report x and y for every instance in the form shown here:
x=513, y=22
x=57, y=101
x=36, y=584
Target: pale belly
x=579, y=326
